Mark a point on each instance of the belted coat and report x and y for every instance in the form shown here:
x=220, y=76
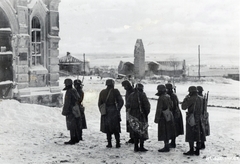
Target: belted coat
x=71, y=97
x=194, y=105
x=178, y=120
x=166, y=129
x=110, y=123
x=139, y=107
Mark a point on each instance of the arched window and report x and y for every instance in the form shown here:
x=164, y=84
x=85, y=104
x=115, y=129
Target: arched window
x=36, y=42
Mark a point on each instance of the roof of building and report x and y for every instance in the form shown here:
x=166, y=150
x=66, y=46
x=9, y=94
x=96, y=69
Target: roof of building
x=69, y=59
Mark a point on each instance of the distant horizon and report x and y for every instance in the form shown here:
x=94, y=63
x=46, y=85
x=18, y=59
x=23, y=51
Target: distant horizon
x=190, y=58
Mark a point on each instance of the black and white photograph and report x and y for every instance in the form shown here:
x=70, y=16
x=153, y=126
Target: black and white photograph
x=119, y=81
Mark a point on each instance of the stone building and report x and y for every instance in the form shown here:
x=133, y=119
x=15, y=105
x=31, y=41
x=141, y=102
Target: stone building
x=29, y=38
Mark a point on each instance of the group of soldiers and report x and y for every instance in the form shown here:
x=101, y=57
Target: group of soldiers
x=168, y=115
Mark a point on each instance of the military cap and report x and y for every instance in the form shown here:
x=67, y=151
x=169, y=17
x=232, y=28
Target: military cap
x=110, y=82
x=126, y=83
x=169, y=86
x=68, y=82
x=192, y=89
x=199, y=88
x=139, y=86
x=161, y=88
x=77, y=82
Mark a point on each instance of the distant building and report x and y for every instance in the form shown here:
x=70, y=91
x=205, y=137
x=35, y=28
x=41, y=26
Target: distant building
x=71, y=65
x=168, y=68
x=126, y=68
x=29, y=51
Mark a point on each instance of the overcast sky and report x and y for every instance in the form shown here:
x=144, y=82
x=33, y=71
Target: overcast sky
x=165, y=26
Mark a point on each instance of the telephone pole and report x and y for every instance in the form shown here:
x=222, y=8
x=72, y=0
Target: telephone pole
x=199, y=62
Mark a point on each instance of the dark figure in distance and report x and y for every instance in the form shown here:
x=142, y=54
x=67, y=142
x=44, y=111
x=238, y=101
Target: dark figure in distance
x=166, y=129
x=110, y=123
x=138, y=108
x=193, y=103
x=73, y=123
x=129, y=89
x=176, y=114
x=78, y=86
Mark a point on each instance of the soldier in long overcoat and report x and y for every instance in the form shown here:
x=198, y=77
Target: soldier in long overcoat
x=193, y=103
x=78, y=86
x=73, y=123
x=166, y=129
x=138, y=107
x=206, y=126
x=110, y=123
x=176, y=114
x=129, y=89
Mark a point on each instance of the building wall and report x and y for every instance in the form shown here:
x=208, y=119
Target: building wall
x=27, y=74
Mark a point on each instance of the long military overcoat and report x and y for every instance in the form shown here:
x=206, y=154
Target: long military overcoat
x=71, y=97
x=177, y=114
x=82, y=108
x=139, y=107
x=193, y=104
x=110, y=123
x=166, y=130
x=128, y=92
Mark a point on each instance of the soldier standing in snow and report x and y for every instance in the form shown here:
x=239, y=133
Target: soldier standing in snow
x=78, y=86
x=176, y=114
x=204, y=116
x=138, y=108
x=73, y=123
x=110, y=122
x=193, y=103
x=129, y=89
x=166, y=126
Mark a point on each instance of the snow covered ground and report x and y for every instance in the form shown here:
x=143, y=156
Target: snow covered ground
x=32, y=134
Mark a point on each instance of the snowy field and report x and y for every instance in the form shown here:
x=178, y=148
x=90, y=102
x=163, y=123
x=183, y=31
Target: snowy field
x=34, y=134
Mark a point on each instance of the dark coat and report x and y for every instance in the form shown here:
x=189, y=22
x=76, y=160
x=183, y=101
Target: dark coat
x=71, y=97
x=166, y=130
x=193, y=104
x=205, y=115
x=176, y=114
x=128, y=92
x=82, y=108
x=110, y=123
x=139, y=107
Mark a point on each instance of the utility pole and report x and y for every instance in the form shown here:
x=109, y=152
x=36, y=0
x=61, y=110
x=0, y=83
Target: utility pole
x=199, y=62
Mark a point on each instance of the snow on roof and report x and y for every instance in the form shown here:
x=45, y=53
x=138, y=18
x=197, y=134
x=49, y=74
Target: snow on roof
x=69, y=59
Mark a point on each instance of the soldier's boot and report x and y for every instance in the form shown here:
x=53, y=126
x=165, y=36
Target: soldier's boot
x=164, y=149
x=142, y=146
x=117, y=137
x=136, y=145
x=191, y=151
x=80, y=137
x=203, y=145
x=197, y=151
x=173, y=143
x=73, y=137
x=131, y=140
x=109, y=139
